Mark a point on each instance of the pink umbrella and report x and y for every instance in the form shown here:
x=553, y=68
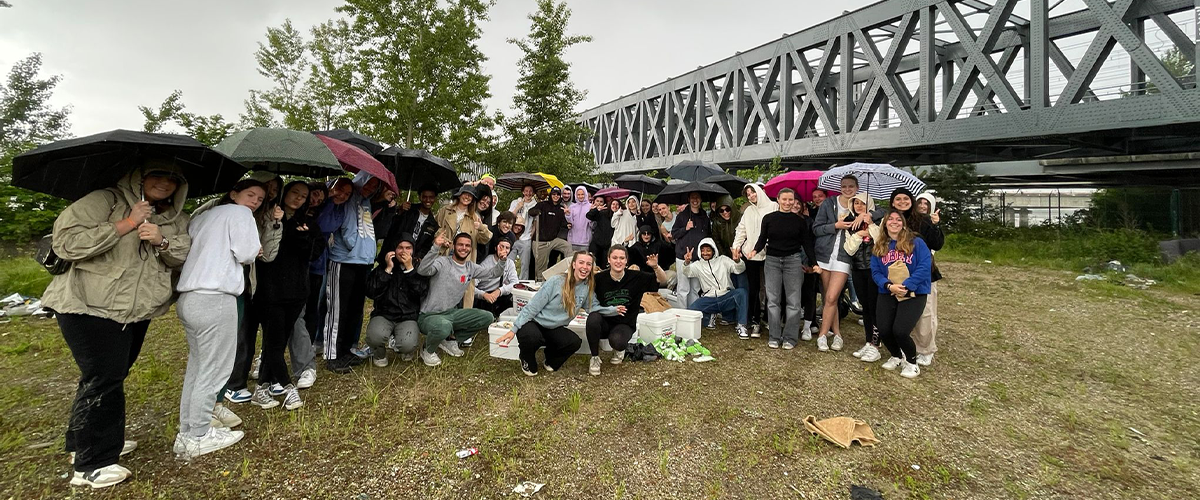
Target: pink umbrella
x=354, y=160
x=613, y=193
x=803, y=182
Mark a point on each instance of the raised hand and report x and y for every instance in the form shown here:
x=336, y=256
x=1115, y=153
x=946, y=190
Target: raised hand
x=150, y=232
x=652, y=260
x=687, y=257
x=441, y=241
x=936, y=216
x=277, y=213
x=390, y=259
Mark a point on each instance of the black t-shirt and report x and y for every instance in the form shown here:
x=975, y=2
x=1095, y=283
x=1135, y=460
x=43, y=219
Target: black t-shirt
x=627, y=292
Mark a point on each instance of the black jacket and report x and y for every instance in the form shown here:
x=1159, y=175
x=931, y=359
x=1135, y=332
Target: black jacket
x=684, y=238
x=406, y=222
x=602, y=230
x=398, y=295
x=285, y=279
x=862, y=258
x=552, y=221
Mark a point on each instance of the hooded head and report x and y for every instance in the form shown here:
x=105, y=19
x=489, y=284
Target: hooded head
x=274, y=186
x=131, y=185
x=581, y=195
x=929, y=198
x=706, y=250
x=761, y=201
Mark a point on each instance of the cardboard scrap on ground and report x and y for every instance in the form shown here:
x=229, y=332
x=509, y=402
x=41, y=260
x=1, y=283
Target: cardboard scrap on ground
x=842, y=431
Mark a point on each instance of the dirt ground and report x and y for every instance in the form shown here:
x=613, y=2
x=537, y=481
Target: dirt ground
x=1043, y=388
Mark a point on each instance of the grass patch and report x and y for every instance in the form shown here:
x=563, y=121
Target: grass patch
x=24, y=276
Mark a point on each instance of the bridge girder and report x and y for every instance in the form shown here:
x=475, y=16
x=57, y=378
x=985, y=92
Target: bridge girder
x=858, y=87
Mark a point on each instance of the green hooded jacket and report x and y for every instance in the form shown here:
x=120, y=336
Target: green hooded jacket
x=120, y=278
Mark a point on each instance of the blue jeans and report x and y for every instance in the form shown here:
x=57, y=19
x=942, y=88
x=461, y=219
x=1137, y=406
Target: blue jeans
x=734, y=301
x=785, y=276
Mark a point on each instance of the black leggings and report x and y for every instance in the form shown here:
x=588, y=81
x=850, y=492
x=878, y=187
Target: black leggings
x=868, y=296
x=560, y=344
x=104, y=350
x=606, y=327
x=278, y=322
x=314, y=307
x=754, y=279
x=896, y=321
x=808, y=296
x=502, y=303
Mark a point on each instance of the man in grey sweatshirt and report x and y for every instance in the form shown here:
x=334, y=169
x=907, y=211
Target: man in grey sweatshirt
x=449, y=276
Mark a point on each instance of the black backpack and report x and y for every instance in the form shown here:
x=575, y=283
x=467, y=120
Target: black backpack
x=49, y=260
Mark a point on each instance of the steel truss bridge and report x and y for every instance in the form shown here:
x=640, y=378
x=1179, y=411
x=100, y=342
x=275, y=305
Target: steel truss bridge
x=921, y=82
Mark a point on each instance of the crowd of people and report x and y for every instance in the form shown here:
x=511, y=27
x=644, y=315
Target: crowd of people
x=298, y=261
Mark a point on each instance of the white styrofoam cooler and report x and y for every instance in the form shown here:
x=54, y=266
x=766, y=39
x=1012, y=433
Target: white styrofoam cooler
x=651, y=326
x=520, y=298
x=687, y=323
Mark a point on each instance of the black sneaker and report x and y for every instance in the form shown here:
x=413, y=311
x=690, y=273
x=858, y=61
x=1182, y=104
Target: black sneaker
x=355, y=360
x=337, y=366
x=532, y=372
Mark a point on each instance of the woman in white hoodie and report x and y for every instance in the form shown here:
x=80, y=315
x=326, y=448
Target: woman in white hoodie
x=925, y=334
x=224, y=239
x=624, y=222
x=744, y=238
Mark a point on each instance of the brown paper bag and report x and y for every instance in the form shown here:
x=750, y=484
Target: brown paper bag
x=897, y=273
x=653, y=302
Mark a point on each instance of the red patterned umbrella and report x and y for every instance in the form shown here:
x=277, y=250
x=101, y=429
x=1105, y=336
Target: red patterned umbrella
x=354, y=159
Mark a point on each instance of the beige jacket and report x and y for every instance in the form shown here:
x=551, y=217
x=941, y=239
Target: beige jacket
x=120, y=278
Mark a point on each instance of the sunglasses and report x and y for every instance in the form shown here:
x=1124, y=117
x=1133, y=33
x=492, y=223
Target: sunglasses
x=723, y=210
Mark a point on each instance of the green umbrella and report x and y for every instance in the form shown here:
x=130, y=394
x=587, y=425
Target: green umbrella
x=280, y=150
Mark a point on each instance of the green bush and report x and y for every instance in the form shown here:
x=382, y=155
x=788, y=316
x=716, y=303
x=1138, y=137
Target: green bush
x=24, y=276
x=1070, y=247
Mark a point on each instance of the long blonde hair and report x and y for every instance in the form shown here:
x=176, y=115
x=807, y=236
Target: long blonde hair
x=568, y=290
x=904, y=241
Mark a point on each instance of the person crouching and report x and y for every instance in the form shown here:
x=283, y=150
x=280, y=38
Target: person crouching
x=396, y=288
x=717, y=293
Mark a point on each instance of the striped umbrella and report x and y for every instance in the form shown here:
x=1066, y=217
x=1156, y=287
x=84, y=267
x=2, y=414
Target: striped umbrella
x=516, y=181
x=876, y=179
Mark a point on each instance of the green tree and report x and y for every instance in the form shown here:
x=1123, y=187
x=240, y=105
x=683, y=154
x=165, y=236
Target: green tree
x=27, y=120
x=283, y=59
x=960, y=192
x=209, y=129
x=422, y=80
x=543, y=135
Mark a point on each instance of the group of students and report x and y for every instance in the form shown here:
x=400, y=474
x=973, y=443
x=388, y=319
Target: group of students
x=300, y=259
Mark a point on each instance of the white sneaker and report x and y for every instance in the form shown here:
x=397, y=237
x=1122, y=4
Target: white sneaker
x=180, y=446
x=451, y=348
x=860, y=322
x=806, y=332
x=408, y=356
x=275, y=390
x=859, y=352
x=225, y=417
x=837, y=343
x=291, y=398
x=126, y=449
x=618, y=357
x=213, y=440
x=773, y=344
x=823, y=343
x=308, y=377
x=430, y=358
x=380, y=362
x=262, y=398
x=892, y=363
x=741, y=332
x=787, y=346
x=255, y=366
x=712, y=322
x=870, y=354
x=102, y=477
x=910, y=370
x=924, y=359
x=594, y=366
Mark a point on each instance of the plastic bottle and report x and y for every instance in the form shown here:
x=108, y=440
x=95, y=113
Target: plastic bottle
x=466, y=452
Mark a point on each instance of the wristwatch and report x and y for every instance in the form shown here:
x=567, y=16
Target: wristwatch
x=164, y=243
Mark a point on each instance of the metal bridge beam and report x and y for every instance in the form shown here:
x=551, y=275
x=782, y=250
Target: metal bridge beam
x=828, y=92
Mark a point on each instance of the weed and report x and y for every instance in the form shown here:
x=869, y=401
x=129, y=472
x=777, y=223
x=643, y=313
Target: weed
x=977, y=406
x=572, y=404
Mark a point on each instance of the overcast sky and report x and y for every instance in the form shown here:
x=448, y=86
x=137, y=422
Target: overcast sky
x=118, y=54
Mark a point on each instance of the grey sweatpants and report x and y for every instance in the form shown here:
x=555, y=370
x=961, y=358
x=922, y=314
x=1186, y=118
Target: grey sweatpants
x=211, y=323
x=408, y=336
x=300, y=346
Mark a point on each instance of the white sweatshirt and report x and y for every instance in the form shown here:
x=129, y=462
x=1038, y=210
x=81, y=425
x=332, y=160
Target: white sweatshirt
x=715, y=274
x=224, y=238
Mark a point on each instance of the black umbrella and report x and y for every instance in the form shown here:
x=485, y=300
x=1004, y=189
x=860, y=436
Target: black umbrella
x=73, y=168
x=363, y=142
x=516, y=181
x=418, y=169
x=641, y=183
x=729, y=182
x=694, y=170
x=677, y=194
